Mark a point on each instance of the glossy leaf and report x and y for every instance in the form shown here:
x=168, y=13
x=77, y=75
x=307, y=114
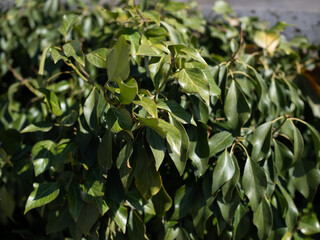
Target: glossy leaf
x=118, y=61
x=75, y=203
x=118, y=119
x=261, y=141
x=306, y=178
x=136, y=228
x=262, y=91
x=254, y=183
x=52, y=101
x=149, y=105
x=219, y=142
x=39, y=126
x=194, y=54
x=157, y=145
x=263, y=219
x=89, y=109
x=161, y=202
x=283, y=156
x=193, y=80
x=42, y=194
x=121, y=218
x=177, y=111
x=298, y=145
x=180, y=161
x=223, y=171
x=43, y=154
x=309, y=224
x=236, y=107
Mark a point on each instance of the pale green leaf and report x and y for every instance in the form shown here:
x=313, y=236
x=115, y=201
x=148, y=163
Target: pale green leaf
x=73, y=49
x=149, y=105
x=67, y=22
x=128, y=90
x=118, y=61
x=194, y=54
x=98, y=57
x=39, y=126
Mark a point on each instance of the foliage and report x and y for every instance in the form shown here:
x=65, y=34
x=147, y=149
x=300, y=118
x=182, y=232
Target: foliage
x=148, y=122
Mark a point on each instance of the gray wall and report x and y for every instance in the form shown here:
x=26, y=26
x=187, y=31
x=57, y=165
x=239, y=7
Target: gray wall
x=304, y=14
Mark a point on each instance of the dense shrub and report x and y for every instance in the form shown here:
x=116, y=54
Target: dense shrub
x=149, y=122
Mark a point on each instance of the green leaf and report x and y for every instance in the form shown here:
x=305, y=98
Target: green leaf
x=98, y=57
x=263, y=219
x=39, y=126
x=180, y=161
x=52, y=101
x=161, y=202
x=136, y=229
x=283, y=156
x=199, y=221
x=262, y=91
x=291, y=210
x=200, y=110
x=177, y=111
x=228, y=209
x=105, y=151
x=73, y=49
x=89, y=109
x=42, y=194
x=298, y=145
x=149, y=50
x=219, y=142
x=148, y=179
x=157, y=145
x=164, y=129
x=174, y=35
x=223, y=171
x=309, y=224
x=70, y=119
x=57, y=221
x=152, y=15
x=128, y=90
x=193, y=80
x=261, y=141
x=254, y=183
x=242, y=222
x=236, y=107
x=306, y=178
x=267, y=40
x=67, y=22
x=228, y=187
x=149, y=105
x=88, y=217
x=7, y=202
x=118, y=61
x=56, y=55
x=75, y=203
x=222, y=7
x=211, y=74
x=194, y=54
x=43, y=154
x=316, y=140
x=121, y=218
x=118, y=119
x=199, y=148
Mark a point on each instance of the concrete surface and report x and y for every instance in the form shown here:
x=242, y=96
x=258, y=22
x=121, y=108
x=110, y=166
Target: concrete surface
x=303, y=14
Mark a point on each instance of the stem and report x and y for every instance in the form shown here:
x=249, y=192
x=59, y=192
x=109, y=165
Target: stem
x=57, y=74
x=299, y=120
x=277, y=119
x=22, y=80
x=70, y=64
x=244, y=149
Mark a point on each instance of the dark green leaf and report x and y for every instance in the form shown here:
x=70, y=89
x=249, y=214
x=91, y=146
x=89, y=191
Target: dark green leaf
x=118, y=119
x=161, y=202
x=219, y=142
x=262, y=90
x=105, y=151
x=298, y=145
x=236, y=107
x=89, y=215
x=254, y=183
x=242, y=222
x=316, y=140
x=263, y=219
x=177, y=111
x=57, y=221
x=261, y=141
x=180, y=161
x=223, y=171
x=283, y=156
x=89, y=109
x=7, y=202
x=306, y=178
x=75, y=203
x=42, y=194
x=157, y=145
x=136, y=229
